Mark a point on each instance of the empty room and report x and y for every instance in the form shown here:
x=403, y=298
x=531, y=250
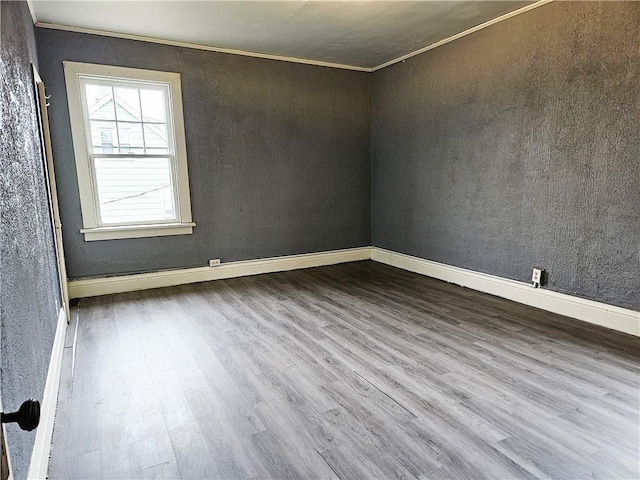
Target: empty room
x=320, y=240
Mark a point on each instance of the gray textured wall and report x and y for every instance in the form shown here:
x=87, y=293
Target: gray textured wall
x=29, y=295
x=518, y=146
x=278, y=156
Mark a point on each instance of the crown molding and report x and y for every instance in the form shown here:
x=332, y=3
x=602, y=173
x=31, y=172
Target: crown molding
x=32, y=11
x=463, y=34
x=197, y=46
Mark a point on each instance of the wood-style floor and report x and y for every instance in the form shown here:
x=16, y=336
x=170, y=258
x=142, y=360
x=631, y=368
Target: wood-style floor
x=354, y=371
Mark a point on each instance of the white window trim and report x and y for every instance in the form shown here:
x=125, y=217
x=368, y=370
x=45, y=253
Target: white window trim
x=137, y=231
x=91, y=228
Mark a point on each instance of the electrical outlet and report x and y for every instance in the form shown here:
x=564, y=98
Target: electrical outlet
x=214, y=263
x=536, y=277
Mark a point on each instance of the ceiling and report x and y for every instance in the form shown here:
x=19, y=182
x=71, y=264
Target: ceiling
x=361, y=34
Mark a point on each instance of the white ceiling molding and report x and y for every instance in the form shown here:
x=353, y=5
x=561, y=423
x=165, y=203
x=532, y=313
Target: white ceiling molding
x=374, y=43
x=463, y=34
x=32, y=11
x=196, y=46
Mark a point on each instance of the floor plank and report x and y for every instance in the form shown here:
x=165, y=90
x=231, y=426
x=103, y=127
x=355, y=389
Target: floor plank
x=352, y=371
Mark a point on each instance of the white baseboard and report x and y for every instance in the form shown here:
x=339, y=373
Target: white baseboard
x=92, y=287
x=615, y=318
x=6, y=443
x=42, y=446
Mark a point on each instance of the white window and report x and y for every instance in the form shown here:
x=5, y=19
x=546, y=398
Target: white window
x=131, y=157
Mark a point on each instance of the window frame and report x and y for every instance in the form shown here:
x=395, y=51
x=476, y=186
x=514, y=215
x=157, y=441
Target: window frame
x=92, y=229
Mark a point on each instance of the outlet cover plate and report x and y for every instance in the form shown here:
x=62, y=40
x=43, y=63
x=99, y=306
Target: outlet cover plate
x=536, y=276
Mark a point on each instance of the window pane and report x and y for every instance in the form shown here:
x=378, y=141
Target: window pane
x=127, y=104
x=100, y=102
x=153, y=105
x=104, y=138
x=155, y=136
x=130, y=138
x=133, y=190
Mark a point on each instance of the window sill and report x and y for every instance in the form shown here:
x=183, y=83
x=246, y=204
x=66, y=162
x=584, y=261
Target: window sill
x=137, y=231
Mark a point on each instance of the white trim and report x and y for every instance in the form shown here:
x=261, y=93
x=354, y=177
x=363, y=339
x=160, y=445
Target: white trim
x=80, y=149
x=6, y=443
x=615, y=318
x=197, y=46
x=42, y=445
x=609, y=316
x=463, y=34
x=127, y=283
x=51, y=184
x=32, y=11
x=75, y=74
x=138, y=231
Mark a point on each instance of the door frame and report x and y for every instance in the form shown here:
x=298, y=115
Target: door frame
x=50, y=178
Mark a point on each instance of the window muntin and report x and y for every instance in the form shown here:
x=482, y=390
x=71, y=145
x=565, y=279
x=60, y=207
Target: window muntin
x=136, y=115
x=130, y=151
x=130, y=118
